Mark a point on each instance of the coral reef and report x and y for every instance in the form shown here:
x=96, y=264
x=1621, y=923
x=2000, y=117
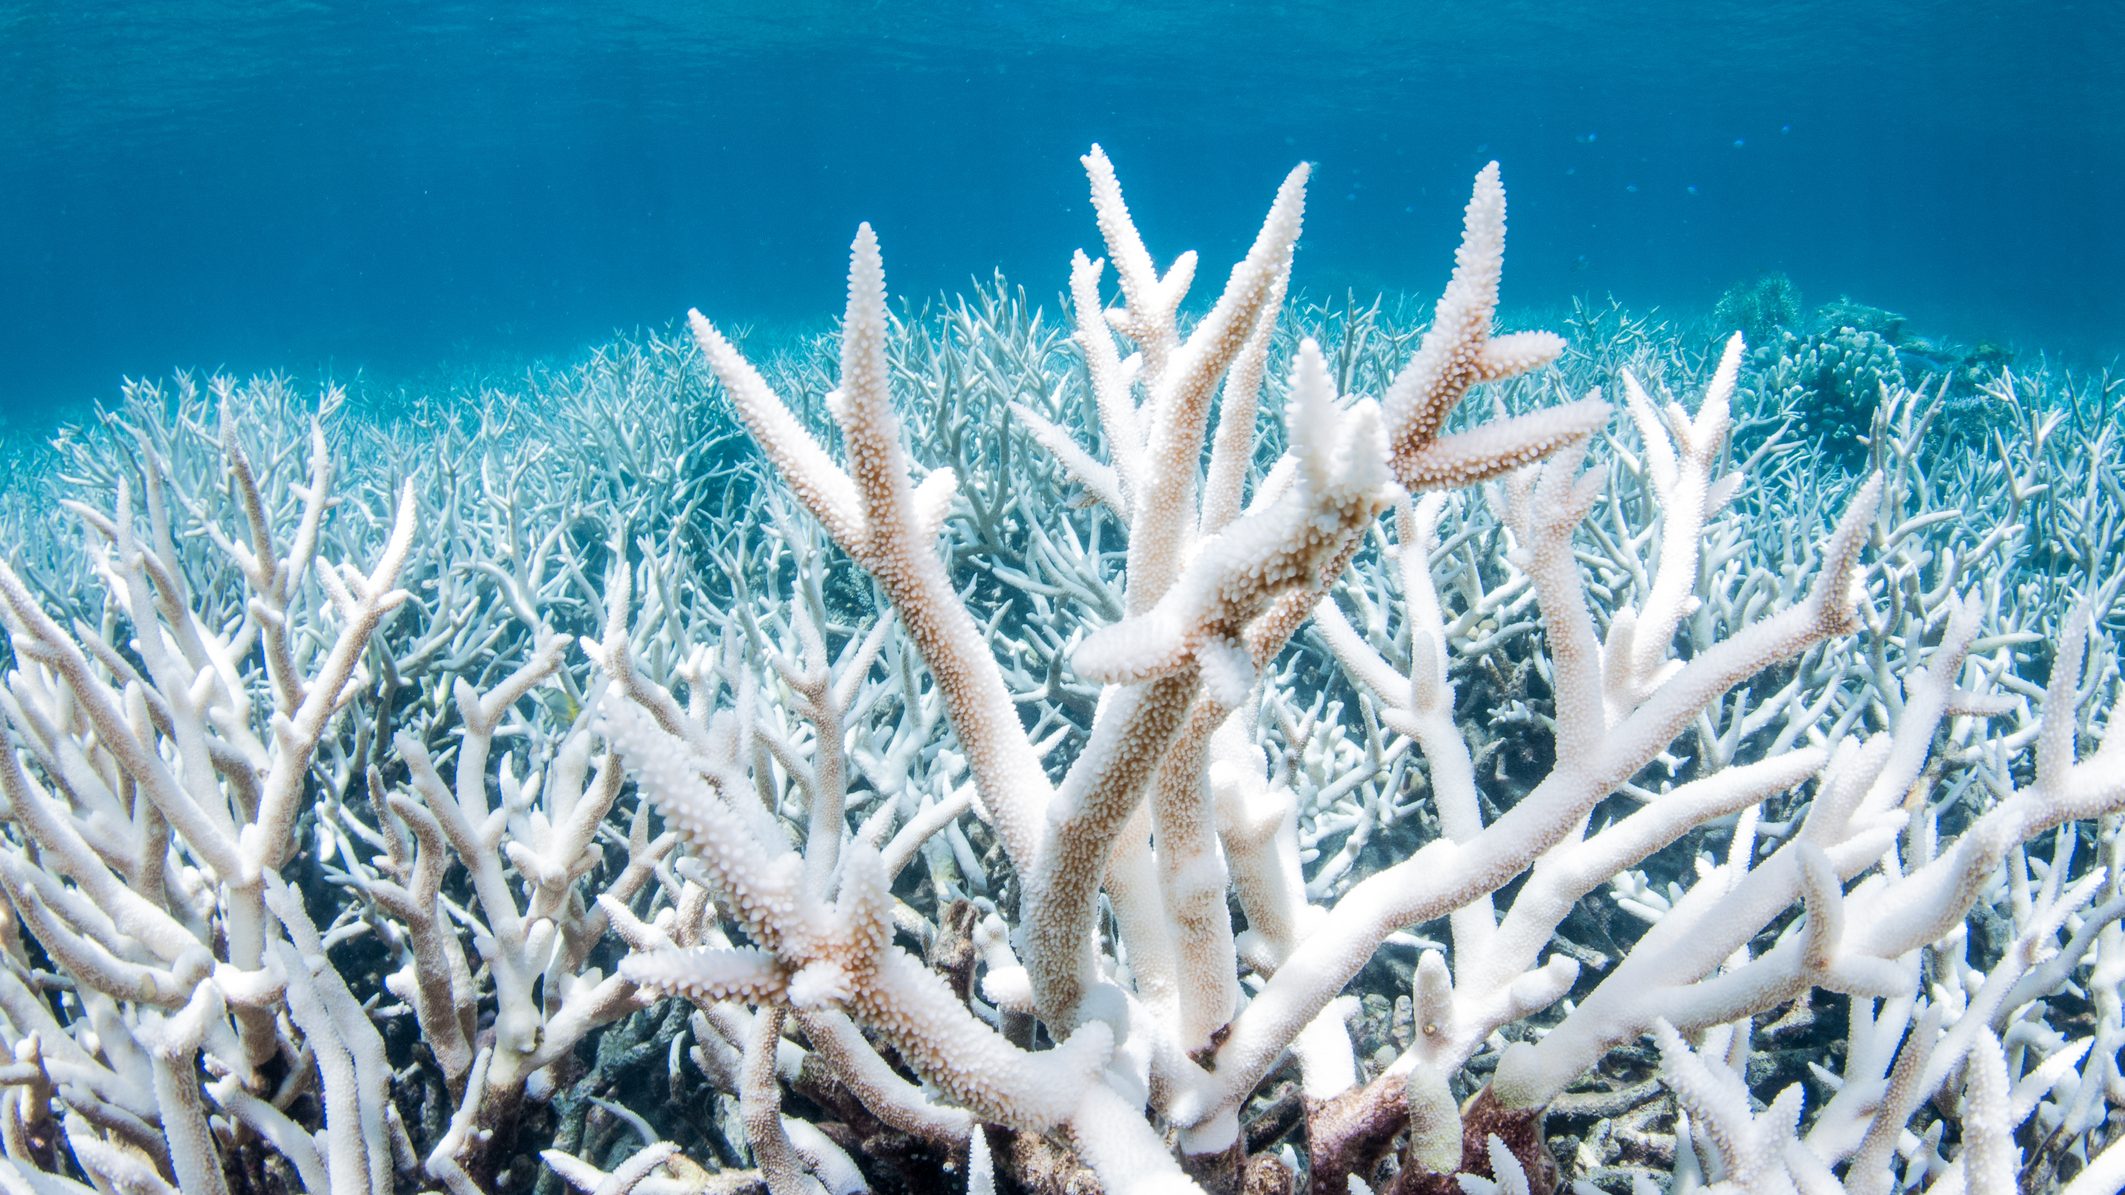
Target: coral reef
x=1831, y=383
x=1175, y=752
x=1760, y=309
x=1830, y=374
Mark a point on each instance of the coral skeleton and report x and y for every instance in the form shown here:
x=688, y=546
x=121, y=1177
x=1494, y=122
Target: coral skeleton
x=1195, y=752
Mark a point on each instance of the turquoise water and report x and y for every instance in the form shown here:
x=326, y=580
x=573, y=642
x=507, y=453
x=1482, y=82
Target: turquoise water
x=392, y=189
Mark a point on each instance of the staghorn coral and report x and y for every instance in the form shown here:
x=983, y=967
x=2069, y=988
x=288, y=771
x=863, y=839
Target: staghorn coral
x=933, y=799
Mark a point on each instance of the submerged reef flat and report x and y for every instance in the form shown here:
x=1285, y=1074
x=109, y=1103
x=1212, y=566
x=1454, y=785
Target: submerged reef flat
x=1147, y=747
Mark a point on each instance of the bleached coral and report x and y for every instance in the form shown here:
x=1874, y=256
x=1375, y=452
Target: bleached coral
x=932, y=793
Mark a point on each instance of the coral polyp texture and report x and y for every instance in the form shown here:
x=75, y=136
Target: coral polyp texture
x=1190, y=751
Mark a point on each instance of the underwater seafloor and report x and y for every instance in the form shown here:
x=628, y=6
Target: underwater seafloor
x=543, y=786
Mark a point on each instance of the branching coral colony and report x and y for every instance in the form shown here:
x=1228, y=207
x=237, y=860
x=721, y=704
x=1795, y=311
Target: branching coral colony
x=1040, y=863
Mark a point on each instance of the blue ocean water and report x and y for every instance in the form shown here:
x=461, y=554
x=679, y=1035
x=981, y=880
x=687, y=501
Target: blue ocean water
x=392, y=189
